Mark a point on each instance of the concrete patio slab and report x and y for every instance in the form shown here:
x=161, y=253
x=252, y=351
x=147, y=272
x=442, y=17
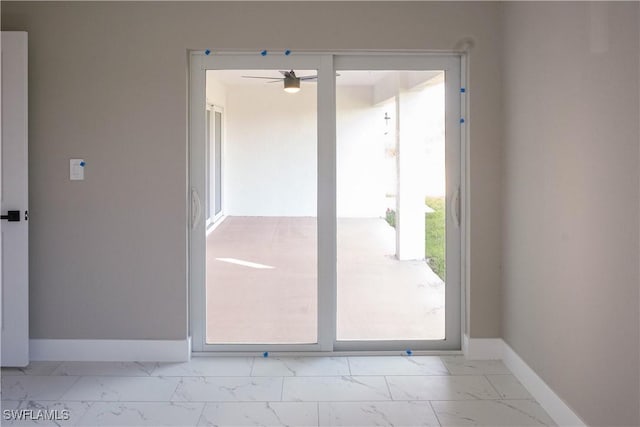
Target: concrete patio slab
x=262, y=283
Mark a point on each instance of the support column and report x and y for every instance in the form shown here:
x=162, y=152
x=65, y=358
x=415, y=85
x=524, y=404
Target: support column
x=410, y=209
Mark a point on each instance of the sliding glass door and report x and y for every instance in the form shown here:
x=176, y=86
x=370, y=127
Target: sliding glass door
x=258, y=287
x=398, y=177
x=331, y=189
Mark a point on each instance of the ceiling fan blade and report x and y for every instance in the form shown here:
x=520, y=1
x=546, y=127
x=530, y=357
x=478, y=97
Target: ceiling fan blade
x=314, y=77
x=261, y=77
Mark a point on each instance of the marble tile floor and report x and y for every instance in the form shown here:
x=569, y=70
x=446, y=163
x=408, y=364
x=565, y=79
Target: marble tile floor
x=274, y=391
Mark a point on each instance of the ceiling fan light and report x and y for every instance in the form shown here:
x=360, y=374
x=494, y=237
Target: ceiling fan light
x=291, y=85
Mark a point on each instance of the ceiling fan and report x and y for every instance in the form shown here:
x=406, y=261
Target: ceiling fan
x=291, y=81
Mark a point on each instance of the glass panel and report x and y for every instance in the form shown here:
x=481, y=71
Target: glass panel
x=209, y=208
x=262, y=258
x=390, y=205
x=218, y=163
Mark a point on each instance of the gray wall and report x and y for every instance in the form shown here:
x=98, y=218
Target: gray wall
x=108, y=83
x=570, y=248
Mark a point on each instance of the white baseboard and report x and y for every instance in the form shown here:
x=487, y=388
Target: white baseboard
x=110, y=350
x=550, y=401
x=482, y=348
x=496, y=348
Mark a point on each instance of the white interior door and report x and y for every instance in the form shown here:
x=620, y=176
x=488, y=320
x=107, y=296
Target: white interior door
x=14, y=227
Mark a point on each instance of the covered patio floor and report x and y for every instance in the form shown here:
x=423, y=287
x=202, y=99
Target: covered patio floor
x=262, y=283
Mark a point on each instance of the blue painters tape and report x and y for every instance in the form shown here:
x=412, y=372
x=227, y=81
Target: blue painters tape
x=287, y=52
x=462, y=90
x=461, y=120
x=207, y=52
x=82, y=164
x=265, y=354
x=409, y=352
x=263, y=53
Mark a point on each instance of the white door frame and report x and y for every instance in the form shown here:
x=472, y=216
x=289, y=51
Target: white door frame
x=220, y=110
x=213, y=219
x=326, y=64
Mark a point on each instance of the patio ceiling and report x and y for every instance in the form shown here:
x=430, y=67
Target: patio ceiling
x=346, y=78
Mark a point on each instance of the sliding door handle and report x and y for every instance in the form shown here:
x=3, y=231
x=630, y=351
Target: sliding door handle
x=196, y=208
x=455, y=207
x=11, y=216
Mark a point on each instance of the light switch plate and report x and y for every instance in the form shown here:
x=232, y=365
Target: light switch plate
x=76, y=169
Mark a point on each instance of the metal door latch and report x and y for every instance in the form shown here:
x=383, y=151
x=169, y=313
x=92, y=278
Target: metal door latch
x=11, y=216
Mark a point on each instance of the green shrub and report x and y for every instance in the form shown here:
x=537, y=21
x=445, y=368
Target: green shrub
x=434, y=223
x=390, y=216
